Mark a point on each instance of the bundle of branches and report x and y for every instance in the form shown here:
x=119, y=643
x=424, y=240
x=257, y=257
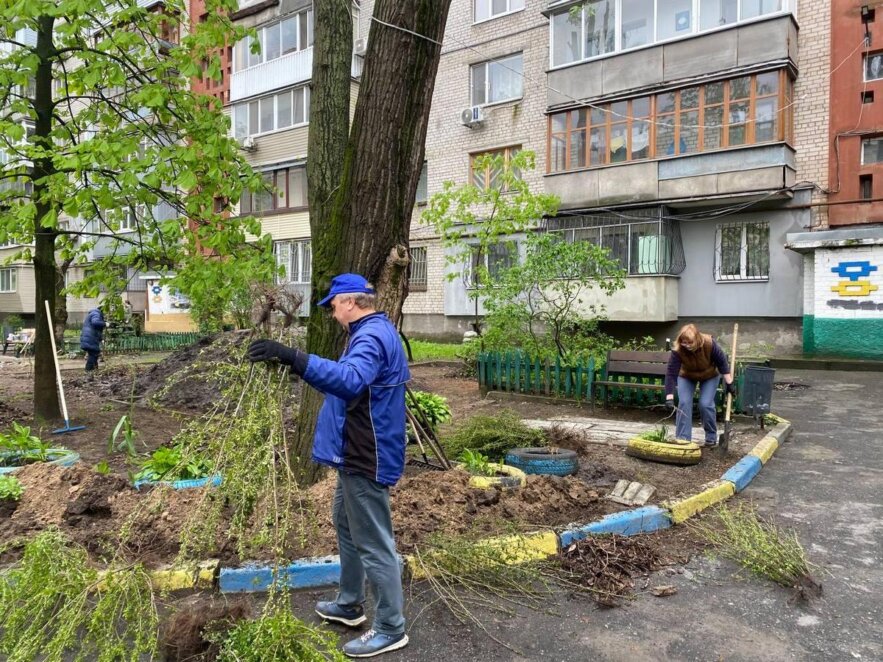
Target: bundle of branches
x=609, y=564
x=740, y=534
x=54, y=605
x=244, y=438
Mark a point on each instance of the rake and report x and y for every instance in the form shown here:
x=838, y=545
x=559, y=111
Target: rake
x=67, y=424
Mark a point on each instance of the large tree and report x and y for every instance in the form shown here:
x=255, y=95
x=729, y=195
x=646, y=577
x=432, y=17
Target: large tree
x=105, y=147
x=363, y=177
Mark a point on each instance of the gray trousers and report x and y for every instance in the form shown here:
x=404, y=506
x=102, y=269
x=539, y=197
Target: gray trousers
x=367, y=548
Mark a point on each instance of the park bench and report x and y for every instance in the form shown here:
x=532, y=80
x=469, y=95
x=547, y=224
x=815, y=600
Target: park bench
x=20, y=341
x=636, y=378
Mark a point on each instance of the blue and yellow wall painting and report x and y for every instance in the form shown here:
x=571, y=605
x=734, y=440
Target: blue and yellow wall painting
x=856, y=274
x=850, y=323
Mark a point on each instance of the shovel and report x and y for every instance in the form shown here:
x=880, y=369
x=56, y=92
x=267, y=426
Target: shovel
x=728, y=425
x=67, y=423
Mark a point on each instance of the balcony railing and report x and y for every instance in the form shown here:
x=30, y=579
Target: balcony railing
x=285, y=71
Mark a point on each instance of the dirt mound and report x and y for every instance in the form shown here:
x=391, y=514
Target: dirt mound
x=187, y=379
x=442, y=502
x=185, y=637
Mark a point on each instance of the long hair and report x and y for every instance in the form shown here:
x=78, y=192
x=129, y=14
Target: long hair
x=689, y=337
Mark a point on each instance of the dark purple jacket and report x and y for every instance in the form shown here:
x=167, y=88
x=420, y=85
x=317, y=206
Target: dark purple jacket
x=718, y=358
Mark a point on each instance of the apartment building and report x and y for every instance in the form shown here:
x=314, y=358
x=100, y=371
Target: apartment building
x=680, y=134
x=843, y=252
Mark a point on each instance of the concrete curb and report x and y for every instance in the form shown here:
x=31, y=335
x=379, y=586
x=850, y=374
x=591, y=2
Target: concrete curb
x=325, y=571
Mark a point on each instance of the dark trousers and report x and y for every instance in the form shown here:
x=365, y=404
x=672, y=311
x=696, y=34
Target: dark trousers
x=92, y=359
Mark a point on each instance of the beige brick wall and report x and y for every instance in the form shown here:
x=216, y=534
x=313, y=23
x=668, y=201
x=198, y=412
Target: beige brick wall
x=811, y=95
x=449, y=144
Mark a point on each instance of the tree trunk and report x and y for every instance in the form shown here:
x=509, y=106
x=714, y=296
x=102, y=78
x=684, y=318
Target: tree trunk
x=45, y=388
x=363, y=180
x=59, y=315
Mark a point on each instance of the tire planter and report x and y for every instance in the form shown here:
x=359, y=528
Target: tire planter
x=61, y=457
x=666, y=452
x=554, y=462
x=512, y=479
x=181, y=484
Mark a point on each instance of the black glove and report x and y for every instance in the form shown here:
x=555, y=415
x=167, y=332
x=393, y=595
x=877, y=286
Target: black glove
x=270, y=350
x=670, y=404
x=730, y=389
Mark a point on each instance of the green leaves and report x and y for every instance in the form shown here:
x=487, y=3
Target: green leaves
x=10, y=488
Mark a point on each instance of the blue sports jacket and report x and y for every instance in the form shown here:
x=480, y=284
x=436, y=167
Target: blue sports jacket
x=93, y=330
x=361, y=426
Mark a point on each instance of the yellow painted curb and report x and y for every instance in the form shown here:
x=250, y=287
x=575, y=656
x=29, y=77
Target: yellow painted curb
x=516, y=548
x=765, y=449
x=714, y=492
x=775, y=419
x=201, y=575
x=514, y=477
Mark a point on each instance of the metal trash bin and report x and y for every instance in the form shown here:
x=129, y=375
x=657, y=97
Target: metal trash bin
x=757, y=390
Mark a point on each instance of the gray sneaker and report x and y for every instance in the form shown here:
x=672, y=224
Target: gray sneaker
x=372, y=643
x=331, y=611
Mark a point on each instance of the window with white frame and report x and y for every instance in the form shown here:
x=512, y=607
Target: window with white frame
x=418, y=280
x=292, y=34
x=487, y=9
x=295, y=259
x=8, y=280
x=872, y=150
x=129, y=218
x=742, y=252
x=599, y=27
x=272, y=113
x=497, y=80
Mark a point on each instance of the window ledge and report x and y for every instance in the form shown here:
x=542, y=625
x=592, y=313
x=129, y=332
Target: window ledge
x=742, y=280
x=274, y=212
x=494, y=105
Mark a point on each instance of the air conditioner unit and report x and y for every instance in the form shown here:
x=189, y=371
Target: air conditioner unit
x=472, y=116
x=248, y=144
x=360, y=47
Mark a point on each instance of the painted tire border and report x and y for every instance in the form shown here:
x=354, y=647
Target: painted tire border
x=65, y=458
x=319, y=572
x=562, y=462
x=215, y=480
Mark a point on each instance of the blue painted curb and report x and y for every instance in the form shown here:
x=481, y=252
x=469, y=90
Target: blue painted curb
x=743, y=472
x=305, y=573
x=628, y=523
x=182, y=484
x=62, y=457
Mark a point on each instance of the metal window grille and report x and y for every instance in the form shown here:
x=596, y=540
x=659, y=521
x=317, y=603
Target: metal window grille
x=642, y=247
x=418, y=281
x=742, y=251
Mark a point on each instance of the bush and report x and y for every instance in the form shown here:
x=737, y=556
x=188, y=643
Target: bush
x=435, y=407
x=10, y=488
x=23, y=446
x=491, y=436
x=169, y=463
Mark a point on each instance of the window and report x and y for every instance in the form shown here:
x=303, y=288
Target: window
x=497, y=80
x=418, y=280
x=741, y=111
x=488, y=176
x=8, y=280
x=743, y=252
x=292, y=34
x=494, y=262
x=649, y=246
x=600, y=27
x=487, y=9
x=872, y=150
x=272, y=113
x=296, y=260
x=865, y=187
x=284, y=189
x=423, y=186
x=129, y=219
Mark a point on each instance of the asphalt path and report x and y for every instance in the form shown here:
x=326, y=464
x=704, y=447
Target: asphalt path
x=826, y=482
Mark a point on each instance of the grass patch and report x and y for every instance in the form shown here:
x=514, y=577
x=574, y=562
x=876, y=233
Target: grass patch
x=759, y=546
x=492, y=436
x=424, y=350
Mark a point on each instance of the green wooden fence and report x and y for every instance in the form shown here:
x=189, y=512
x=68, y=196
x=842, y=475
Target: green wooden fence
x=148, y=342
x=516, y=372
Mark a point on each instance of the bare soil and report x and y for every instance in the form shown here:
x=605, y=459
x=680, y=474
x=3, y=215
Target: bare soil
x=92, y=508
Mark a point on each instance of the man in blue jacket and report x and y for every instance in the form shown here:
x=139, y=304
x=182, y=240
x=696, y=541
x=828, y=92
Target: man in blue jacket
x=360, y=432
x=91, y=336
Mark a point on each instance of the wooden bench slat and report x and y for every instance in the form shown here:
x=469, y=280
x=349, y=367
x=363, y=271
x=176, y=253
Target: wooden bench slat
x=639, y=357
x=640, y=369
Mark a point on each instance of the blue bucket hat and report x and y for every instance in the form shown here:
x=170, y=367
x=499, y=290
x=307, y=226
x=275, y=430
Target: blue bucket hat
x=347, y=284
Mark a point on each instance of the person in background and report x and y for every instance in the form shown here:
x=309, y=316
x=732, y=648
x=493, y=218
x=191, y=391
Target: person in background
x=696, y=359
x=360, y=432
x=91, y=337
